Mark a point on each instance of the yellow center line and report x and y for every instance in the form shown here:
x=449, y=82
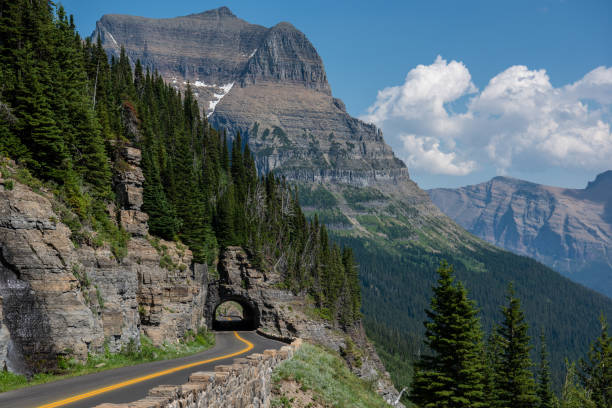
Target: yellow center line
x=147, y=377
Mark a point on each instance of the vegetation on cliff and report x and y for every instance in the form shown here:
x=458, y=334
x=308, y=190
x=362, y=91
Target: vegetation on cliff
x=69, y=111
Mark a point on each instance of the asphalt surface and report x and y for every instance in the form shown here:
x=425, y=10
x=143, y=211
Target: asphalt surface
x=40, y=395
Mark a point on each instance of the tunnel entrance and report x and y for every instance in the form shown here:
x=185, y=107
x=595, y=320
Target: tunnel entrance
x=235, y=314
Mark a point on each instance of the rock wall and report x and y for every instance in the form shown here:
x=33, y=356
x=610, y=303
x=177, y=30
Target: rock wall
x=244, y=384
x=57, y=299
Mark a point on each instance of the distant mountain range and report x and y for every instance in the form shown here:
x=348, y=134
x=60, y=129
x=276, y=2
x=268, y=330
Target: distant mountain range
x=569, y=230
x=270, y=84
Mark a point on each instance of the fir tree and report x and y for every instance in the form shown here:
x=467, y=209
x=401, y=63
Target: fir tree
x=451, y=376
x=515, y=386
x=546, y=398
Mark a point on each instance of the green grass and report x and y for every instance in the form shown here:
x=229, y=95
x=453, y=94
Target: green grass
x=327, y=377
x=131, y=354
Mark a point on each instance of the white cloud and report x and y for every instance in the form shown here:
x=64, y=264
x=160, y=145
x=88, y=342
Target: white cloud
x=424, y=153
x=518, y=121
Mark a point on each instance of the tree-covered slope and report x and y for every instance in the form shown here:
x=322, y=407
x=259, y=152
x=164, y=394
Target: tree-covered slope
x=67, y=114
x=398, y=254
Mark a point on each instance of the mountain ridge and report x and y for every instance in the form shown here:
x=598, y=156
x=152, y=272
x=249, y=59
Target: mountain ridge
x=567, y=229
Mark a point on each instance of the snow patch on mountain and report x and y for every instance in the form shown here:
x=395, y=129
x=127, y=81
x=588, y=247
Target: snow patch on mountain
x=218, y=96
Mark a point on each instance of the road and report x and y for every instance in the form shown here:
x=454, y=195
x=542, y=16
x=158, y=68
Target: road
x=127, y=384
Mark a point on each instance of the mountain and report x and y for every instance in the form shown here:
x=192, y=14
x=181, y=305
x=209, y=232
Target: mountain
x=569, y=230
x=270, y=84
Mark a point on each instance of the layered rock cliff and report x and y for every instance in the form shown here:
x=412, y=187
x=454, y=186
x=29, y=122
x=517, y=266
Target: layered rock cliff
x=62, y=299
x=275, y=92
x=567, y=229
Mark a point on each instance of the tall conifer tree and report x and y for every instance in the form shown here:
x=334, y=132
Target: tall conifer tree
x=514, y=383
x=451, y=376
x=546, y=398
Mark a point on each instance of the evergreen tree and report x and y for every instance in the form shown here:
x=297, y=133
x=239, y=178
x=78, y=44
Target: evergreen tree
x=544, y=391
x=491, y=361
x=596, y=372
x=515, y=386
x=162, y=218
x=452, y=376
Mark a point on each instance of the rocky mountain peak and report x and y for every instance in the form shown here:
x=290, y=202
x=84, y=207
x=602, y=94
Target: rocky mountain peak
x=219, y=12
x=287, y=56
x=603, y=180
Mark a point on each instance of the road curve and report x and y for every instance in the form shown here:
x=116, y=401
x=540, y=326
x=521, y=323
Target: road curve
x=127, y=384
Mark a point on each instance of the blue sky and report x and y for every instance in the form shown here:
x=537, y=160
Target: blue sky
x=370, y=46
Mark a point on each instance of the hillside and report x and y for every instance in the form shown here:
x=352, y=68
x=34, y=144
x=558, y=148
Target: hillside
x=569, y=230
x=280, y=101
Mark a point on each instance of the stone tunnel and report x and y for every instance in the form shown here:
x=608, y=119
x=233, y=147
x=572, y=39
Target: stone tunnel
x=250, y=316
x=233, y=285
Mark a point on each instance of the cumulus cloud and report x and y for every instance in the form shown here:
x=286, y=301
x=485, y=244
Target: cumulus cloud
x=424, y=153
x=518, y=121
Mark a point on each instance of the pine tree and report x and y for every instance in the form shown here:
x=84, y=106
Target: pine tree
x=515, y=386
x=491, y=361
x=163, y=221
x=352, y=276
x=544, y=391
x=596, y=372
x=451, y=377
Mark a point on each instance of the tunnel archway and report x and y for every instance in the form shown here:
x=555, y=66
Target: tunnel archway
x=226, y=314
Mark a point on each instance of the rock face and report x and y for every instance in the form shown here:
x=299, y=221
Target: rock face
x=60, y=300
x=567, y=229
x=57, y=299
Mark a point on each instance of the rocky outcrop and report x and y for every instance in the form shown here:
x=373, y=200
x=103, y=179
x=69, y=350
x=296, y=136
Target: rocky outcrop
x=568, y=229
x=283, y=315
x=61, y=299
x=247, y=383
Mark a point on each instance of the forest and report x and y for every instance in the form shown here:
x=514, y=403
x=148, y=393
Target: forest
x=398, y=287
x=67, y=110
x=460, y=368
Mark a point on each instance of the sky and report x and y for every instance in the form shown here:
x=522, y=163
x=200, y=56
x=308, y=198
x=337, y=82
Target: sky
x=463, y=90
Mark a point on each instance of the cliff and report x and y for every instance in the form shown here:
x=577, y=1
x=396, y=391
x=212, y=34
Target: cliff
x=60, y=299
x=568, y=229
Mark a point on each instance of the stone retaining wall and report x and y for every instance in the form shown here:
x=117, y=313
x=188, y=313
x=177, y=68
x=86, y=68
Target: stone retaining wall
x=247, y=383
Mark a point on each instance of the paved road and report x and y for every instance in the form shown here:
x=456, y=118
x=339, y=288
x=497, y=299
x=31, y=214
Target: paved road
x=228, y=346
